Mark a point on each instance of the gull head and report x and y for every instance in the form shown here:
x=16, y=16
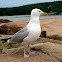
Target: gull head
x=37, y=12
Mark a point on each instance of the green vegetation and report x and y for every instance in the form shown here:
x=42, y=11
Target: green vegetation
x=25, y=10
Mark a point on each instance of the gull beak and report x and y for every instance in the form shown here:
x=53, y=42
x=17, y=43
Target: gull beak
x=44, y=13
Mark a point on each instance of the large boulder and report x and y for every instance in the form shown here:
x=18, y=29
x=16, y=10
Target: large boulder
x=7, y=29
x=12, y=27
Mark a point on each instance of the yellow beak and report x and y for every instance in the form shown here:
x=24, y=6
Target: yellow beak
x=44, y=13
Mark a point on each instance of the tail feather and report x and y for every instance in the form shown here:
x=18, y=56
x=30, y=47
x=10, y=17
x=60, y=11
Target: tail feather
x=4, y=40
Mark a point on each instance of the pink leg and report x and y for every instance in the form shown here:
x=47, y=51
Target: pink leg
x=32, y=53
x=25, y=55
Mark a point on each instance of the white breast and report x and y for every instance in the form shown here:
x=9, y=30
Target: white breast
x=34, y=33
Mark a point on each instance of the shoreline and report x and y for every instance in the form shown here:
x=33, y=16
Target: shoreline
x=14, y=16
x=20, y=16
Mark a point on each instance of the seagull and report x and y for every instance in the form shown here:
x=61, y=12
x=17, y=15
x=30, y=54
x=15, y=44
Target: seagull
x=28, y=34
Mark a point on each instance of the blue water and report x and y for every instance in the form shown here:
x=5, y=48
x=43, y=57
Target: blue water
x=28, y=17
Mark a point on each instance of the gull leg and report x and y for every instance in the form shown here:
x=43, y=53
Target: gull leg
x=25, y=55
x=30, y=52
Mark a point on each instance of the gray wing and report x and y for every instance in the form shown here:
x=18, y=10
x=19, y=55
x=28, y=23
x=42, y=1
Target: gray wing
x=19, y=36
x=22, y=30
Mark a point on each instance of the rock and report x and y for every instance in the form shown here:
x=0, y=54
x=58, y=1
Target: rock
x=55, y=37
x=6, y=29
x=39, y=57
x=47, y=49
x=12, y=27
x=43, y=34
x=52, y=49
x=49, y=27
x=42, y=40
x=4, y=21
x=0, y=50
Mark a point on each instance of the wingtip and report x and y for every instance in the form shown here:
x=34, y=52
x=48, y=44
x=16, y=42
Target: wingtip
x=3, y=40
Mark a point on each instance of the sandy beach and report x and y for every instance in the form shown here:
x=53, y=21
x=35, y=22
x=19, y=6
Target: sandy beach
x=14, y=16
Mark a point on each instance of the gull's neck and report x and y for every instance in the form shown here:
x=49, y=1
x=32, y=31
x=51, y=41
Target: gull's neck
x=34, y=20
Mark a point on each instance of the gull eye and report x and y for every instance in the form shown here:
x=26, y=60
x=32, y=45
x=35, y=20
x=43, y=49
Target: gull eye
x=39, y=11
